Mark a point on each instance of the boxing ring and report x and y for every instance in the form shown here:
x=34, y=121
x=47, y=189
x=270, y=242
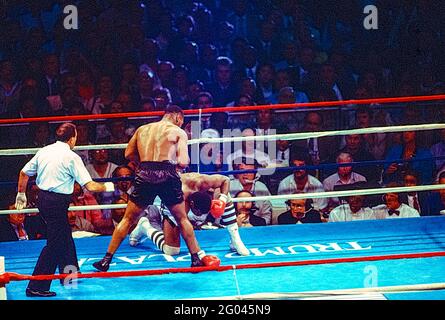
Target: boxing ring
x=392, y=259
x=381, y=259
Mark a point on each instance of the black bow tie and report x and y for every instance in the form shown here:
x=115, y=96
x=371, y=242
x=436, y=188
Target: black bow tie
x=391, y=212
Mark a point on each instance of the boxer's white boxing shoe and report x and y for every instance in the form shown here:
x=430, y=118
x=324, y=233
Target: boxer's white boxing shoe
x=236, y=244
x=139, y=234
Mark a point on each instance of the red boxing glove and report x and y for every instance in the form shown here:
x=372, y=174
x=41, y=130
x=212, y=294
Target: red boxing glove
x=217, y=208
x=211, y=261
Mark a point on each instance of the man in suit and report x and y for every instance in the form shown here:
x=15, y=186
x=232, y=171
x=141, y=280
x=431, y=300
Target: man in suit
x=50, y=81
x=223, y=89
x=319, y=148
x=16, y=227
x=417, y=200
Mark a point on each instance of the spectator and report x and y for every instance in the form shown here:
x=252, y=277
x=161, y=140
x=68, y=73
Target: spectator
x=208, y=58
x=193, y=91
x=267, y=43
x=101, y=167
x=123, y=187
x=249, y=182
x=118, y=135
x=165, y=74
x=145, y=84
x=249, y=63
x=162, y=98
x=344, y=176
x=354, y=210
x=147, y=105
x=210, y=154
x=301, y=181
x=437, y=198
x=84, y=137
x=204, y=100
x=101, y=103
x=265, y=122
x=180, y=85
x=50, y=82
x=16, y=227
x=223, y=88
x=290, y=56
x=299, y=211
x=118, y=214
x=82, y=197
x=394, y=207
x=249, y=150
x=417, y=200
x=85, y=84
x=319, y=148
x=438, y=150
x=376, y=143
x=243, y=18
x=265, y=79
x=126, y=101
x=39, y=133
x=79, y=224
x=355, y=146
x=129, y=77
x=408, y=150
x=245, y=216
x=9, y=86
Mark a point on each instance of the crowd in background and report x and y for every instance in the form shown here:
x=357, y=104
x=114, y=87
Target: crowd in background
x=130, y=56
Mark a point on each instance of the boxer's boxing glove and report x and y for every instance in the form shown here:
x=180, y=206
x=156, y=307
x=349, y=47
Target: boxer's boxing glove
x=218, y=206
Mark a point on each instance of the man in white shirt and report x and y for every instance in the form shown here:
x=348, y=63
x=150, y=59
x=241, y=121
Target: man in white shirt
x=56, y=167
x=301, y=181
x=248, y=150
x=394, y=208
x=352, y=211
x=249, y=182
x=344, y=176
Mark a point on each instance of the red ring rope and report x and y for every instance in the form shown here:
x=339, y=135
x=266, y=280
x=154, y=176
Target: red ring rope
x=6, y=277
x=227, y=109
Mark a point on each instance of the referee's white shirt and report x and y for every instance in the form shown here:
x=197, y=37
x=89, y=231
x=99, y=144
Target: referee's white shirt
x=57, y=167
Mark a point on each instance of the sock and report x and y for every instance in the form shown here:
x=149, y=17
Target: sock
x=154, y=234
x=229, y=215
x=108, y=257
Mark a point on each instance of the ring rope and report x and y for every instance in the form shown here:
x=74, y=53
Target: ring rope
x=229, y=109
x=311, y=195
x=272, y=137
x=266, y=170
x=7, y=277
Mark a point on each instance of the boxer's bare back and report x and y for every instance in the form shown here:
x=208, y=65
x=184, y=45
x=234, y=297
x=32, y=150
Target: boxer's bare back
x=159, y=141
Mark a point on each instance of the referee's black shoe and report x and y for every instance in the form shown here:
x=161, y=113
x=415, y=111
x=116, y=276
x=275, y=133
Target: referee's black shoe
x=39, y=293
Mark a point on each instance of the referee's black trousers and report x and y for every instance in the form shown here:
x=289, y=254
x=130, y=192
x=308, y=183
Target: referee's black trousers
x=60, y=250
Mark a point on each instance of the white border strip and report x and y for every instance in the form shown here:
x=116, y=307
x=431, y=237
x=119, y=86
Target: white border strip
x=2, y=270
x=332, y=294
x=287, y=136
x=312, y=195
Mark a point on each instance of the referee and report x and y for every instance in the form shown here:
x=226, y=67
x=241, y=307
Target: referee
x=56, y=167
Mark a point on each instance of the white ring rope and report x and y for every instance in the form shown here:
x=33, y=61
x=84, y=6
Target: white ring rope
x=310, y=195
x=287, y=136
